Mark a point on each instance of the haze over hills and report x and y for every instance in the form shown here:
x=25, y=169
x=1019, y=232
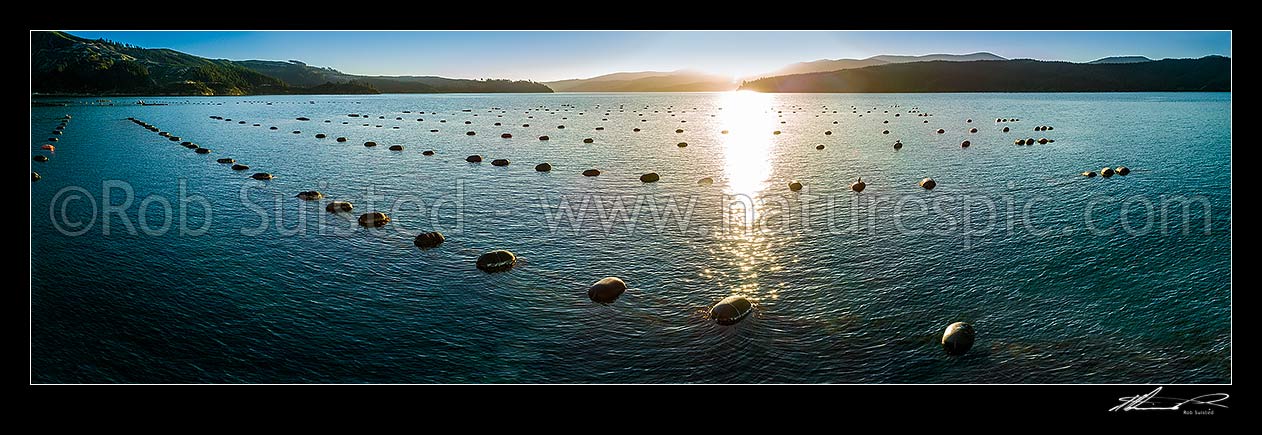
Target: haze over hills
x=824, y=65
x=63, y=63
x=981, y=55
x=1121, y=59
x=1210, y=73
x=648, y=81
x=689, y=80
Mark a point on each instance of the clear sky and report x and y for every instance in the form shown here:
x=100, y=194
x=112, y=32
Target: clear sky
x=546, y=56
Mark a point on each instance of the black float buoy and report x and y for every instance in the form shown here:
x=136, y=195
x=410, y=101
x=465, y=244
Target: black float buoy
x=858, y=186
x=375, y=219
x=496, y=261
x=958, y=338
x=429, y=240
x=310, y=195
x=339, y=206
x=731, y=310
x=606, y=290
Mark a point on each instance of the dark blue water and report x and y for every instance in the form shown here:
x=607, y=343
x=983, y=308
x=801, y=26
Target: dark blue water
x=1067, y=279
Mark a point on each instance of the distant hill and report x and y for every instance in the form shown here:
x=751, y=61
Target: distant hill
x=1210, y=73
x=696, y=81
x=1120, y=59
x=300, y=74
x=942, y=57
x=330, y=88
x=426, y=84
x=823, y=65
x=647, y=81
x=621, y=76
x=63, y=63
x=295, y=73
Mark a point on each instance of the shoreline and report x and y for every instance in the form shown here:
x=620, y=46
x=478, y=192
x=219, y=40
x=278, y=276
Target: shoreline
x=71, y=95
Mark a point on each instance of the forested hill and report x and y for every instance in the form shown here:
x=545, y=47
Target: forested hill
x=297, y=73
x=62, y=63
x=1210, y=73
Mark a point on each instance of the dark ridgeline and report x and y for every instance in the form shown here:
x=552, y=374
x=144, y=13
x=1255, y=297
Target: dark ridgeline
x=297, y=73
x=647, y=81
x=1121, y=59
x=351, y=87
x=1210, y=73
x=66, y=64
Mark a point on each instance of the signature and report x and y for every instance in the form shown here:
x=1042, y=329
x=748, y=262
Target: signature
x=1153, y=402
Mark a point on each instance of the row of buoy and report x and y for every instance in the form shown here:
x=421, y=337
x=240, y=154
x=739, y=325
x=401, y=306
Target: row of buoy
x=956, y=340
x=373, y=219
x=494, y=261
x=1107, y=172
x=202, y=150
x=1032, y=141
x=729, y=311
x=507, y=135
x=57, y=131
x=794, y=186
x=857, y=186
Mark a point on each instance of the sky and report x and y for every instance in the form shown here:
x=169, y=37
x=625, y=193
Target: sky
x=556, y=55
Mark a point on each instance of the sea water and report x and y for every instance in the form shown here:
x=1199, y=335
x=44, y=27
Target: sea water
x=153, y=264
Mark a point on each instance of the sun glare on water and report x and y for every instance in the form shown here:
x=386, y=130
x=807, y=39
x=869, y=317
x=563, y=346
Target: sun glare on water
x=749, y=121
